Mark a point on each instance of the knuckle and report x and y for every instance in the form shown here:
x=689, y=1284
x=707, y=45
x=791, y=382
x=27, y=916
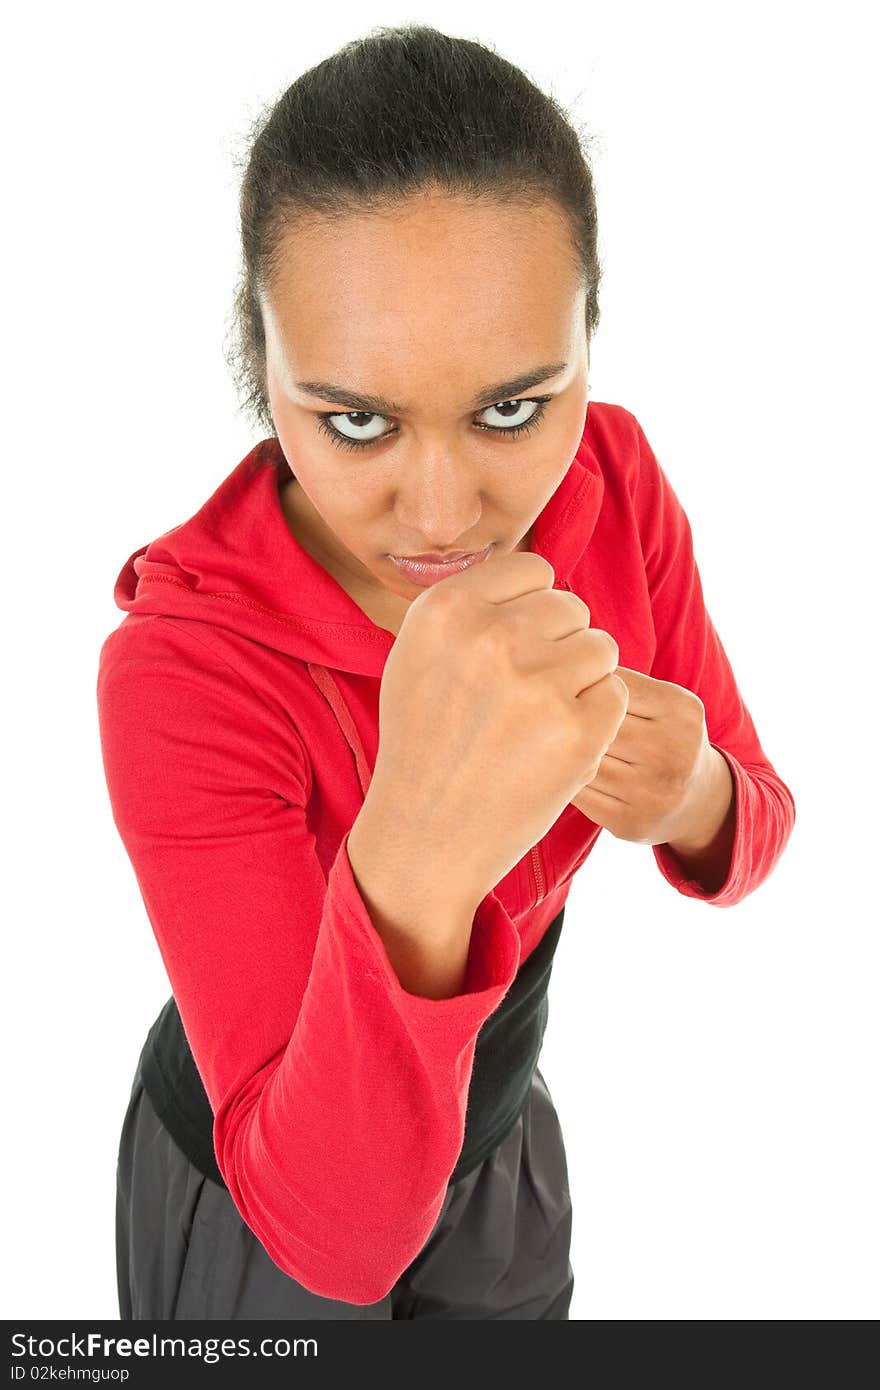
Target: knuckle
x=593, y=765
x=697, y=708
x=614, y=648
x=494, y=638
x=445, y=601
x=583, y=608
x=639, y=830
x=621, y=687
x=540, y=560
x=514, y=620
x=601, y=638
x=583, y=741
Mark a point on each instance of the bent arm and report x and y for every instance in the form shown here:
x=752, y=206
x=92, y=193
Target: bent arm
x=339, y=1095
x=751, y=831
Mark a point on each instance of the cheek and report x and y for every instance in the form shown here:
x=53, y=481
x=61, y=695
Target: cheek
x=572, y=421
x=354, y=512
x=548, y=463
x=565, y=439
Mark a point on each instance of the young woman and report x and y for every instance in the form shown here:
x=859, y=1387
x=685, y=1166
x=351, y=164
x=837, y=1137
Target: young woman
x=371, y=706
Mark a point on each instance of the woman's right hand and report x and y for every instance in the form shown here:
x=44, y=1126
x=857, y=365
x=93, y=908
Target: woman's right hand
x=497, y=704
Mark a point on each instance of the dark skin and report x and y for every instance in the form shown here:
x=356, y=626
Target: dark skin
x=427, y=304
x=384, y=608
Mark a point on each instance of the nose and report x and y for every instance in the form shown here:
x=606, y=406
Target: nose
x=438, y=502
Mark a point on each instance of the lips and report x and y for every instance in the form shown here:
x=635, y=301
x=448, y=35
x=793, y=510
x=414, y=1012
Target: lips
x=433, y=557
x=426, y=572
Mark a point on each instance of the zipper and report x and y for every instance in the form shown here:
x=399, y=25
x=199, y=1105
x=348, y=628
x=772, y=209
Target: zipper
x=538, y=874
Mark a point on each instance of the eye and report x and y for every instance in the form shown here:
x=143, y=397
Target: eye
x=361, y=439
x=518, y=424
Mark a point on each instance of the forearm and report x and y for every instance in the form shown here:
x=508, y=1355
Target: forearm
x=705, y=849
x=424, y=920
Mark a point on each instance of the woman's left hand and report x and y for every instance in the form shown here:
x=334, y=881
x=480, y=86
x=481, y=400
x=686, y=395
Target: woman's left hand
x=660, y=779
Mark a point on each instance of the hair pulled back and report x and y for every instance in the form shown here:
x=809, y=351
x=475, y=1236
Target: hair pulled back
x=402, y=110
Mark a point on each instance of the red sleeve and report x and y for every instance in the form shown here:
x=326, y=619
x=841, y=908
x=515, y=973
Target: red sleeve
x=689, y=653
x=339, y=1098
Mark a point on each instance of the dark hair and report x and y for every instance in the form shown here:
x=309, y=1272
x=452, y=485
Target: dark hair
x=402, y=110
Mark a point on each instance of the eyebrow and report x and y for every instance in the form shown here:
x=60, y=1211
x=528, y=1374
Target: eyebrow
x=357, y=400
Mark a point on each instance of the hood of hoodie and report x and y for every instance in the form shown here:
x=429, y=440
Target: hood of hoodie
x=236, y=564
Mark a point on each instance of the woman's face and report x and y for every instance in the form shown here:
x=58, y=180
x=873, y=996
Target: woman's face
x=413, y=332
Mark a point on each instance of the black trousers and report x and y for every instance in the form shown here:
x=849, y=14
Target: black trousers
x=499, y=1248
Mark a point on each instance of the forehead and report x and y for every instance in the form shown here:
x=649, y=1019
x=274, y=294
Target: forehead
x=436, y=267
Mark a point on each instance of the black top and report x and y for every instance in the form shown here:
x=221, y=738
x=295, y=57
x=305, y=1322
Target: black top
x=505, y=1056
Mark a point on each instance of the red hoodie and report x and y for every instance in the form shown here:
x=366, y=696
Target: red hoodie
x=238, y=711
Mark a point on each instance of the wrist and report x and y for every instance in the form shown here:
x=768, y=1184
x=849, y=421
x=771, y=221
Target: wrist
x=425, y=930
x=380, y=846
x=710, y=814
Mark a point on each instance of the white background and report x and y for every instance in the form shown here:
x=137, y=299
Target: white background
x=715, y=1070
